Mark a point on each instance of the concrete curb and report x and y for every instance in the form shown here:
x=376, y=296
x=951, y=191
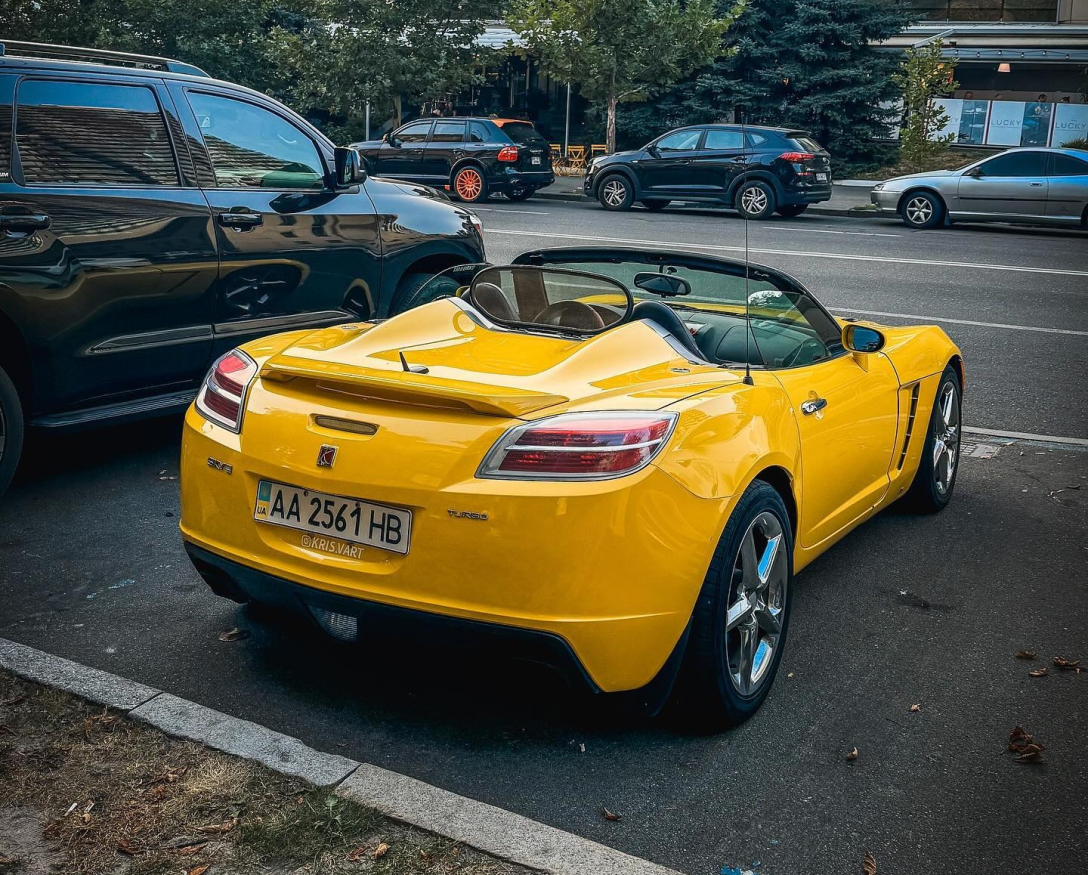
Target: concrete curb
x=497, y=831
x=490, y=829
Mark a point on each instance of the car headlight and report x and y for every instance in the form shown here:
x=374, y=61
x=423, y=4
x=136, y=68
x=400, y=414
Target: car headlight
x=579, y=446
x=878, y=186
x=222, y=397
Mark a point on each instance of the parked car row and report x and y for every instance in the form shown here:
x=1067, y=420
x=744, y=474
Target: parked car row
x=152, y=218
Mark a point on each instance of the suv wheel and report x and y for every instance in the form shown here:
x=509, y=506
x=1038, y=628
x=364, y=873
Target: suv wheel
x=469, y=185
x=923, y=210
x=791, y=211
x=11, y=430
x=616, y=193
x=417, y=289
x=756, y=200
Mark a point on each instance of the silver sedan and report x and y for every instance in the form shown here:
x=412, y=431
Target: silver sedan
x=1044, y=186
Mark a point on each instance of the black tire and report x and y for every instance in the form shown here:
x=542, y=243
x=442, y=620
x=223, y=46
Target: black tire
x=793, y=210
x=469, y=184
x=922, y=209
x=417, y=289
x=930, y=493
x=11, y=430
x=615, y=192
x=656, y=206
x=707, y=692
x=756, y=200
x=520, y=194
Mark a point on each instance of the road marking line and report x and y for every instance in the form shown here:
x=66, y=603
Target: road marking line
x=666, y=244
x=912, y=316
x=523, y=212
x=1026, y=436
x=790, y=229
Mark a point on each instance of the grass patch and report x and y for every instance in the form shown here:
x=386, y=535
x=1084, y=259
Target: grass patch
x=949, y=159
x=86, y=791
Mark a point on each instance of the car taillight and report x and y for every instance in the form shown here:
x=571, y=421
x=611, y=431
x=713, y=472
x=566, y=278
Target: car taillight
x=508, y=153
x=579, y=446
x=222, y=397
x=796, y=157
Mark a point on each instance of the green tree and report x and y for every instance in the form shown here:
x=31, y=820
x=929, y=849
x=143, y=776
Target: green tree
x=620, y=51
x=354, y=50
x=810, y=64
x=924, y=77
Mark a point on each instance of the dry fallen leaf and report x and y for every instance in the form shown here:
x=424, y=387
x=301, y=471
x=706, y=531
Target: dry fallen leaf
x=1061, y=662
x=1037, y=672
x=868, y=864
x=126, y=847
x=356, y=855
x=1026, y=654
x=225, y=826
x=199, y=870
x=853, y=755
x=914, y=708
x=381, y=850
x=790, y=675
x=610, y=815
x=234, y=634
x=189, y=850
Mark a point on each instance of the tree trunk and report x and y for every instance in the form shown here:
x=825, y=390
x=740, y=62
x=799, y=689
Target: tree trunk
x=397, y=109
x=611, y=134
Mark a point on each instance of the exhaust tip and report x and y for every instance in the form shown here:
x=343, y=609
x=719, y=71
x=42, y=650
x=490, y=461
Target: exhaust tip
x=343, y=627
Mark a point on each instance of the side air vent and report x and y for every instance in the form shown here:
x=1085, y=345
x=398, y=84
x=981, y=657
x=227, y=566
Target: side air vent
x=910, y=426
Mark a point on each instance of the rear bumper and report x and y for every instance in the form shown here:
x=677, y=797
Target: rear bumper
x=796, y=197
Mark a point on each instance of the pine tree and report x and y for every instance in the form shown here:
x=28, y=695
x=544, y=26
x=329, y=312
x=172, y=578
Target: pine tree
x=810, y=64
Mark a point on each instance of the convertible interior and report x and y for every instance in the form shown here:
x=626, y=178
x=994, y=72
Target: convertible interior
x=696, y=303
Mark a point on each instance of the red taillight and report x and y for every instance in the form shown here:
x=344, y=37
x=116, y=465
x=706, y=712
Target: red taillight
x=223, y=393
x=508, y=153
x=579, y=446
x=796, y=157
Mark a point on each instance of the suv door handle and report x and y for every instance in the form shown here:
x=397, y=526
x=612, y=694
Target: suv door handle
x=241, y=219
x=24, y=222
x=813, y=406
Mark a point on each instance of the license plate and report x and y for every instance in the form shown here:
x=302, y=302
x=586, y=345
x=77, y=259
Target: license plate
x=535, y=160
x=821, y=177
x=349, y=519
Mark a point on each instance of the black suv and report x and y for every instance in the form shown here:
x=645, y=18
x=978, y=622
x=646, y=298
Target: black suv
x=152, y=218
x=756, y=170
x=472, y=157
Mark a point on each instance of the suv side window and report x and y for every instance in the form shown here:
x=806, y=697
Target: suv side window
x=681, y=141
x=719, y=140
x=416, y=132
x=477, y=133
x=1066, y=165
x=87, y=133
x=448, y=132
x=1016, y=164
x=253, y=147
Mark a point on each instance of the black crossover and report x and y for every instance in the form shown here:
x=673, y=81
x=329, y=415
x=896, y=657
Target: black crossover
x=756, y=170
x=152, y=218
x=470, y=157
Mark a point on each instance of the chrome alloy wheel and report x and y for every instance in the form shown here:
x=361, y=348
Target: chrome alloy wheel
x=757, y=602
x=753, y=200
x=614, y=192
x=946, y=440
x=919, y=210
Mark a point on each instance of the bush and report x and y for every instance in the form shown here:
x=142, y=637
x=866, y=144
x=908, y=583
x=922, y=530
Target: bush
x=1082, y=143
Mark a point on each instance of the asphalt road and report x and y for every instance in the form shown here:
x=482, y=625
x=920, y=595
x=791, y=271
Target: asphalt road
x=908, y=610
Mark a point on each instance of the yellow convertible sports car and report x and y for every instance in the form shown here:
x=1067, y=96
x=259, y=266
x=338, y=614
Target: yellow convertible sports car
x=610, y=460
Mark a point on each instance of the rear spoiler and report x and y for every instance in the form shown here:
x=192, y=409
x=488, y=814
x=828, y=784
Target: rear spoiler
x=406, y=387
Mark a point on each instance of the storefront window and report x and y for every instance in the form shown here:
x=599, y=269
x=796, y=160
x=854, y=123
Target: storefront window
x=985, y=10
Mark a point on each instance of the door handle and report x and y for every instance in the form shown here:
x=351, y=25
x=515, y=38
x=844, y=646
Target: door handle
x=1035, y=184
x=240, y=219
x=813, y=406
x=24, y=222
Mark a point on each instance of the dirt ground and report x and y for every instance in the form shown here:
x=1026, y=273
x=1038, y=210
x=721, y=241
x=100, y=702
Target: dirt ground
x=84, y=791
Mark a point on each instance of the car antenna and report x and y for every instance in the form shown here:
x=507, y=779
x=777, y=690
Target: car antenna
x=747, y=300
x=411, y=369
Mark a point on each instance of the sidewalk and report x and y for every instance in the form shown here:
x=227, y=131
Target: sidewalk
x=848, y=198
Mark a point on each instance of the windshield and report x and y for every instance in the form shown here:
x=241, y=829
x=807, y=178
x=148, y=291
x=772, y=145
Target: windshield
x=566, y=301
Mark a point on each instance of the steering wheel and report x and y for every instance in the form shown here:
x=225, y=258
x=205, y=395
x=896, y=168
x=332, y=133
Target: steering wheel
x=570, y=314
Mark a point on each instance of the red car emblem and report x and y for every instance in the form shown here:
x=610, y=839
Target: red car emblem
x=326, y=456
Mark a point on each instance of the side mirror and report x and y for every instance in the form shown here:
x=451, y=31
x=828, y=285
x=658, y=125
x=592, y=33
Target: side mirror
x=653, y=151
x=974, y=172
x=349, y=167
x=862, y=338
x=663, y=284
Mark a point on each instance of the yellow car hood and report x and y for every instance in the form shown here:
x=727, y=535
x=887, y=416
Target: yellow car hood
x=457, y=363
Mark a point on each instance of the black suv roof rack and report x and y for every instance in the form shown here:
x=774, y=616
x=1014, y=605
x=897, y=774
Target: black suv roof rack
x=101, y=56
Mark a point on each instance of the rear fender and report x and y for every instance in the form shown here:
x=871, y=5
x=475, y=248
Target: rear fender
x=763, y=176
